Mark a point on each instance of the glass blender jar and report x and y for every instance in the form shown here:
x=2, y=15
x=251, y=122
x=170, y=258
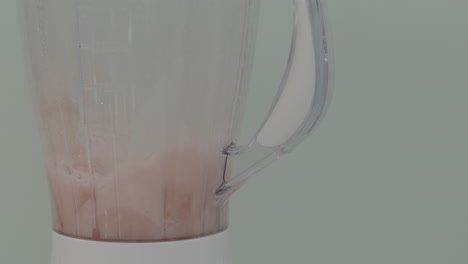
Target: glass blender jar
x=139, y=104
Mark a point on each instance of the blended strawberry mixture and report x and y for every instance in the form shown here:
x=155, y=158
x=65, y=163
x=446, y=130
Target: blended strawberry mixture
x=102, y=191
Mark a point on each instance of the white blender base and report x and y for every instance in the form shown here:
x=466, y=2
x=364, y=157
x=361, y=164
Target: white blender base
x=213, y=249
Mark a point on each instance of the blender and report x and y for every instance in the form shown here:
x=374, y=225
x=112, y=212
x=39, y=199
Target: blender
x=139, y=105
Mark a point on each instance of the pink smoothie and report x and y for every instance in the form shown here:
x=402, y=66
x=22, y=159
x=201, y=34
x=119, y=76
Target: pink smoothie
x=102, y=191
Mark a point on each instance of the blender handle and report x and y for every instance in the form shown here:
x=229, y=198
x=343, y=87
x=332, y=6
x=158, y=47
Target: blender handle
x=303, y=96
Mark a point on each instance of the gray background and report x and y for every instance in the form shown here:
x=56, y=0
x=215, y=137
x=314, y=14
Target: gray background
x=382, y=181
